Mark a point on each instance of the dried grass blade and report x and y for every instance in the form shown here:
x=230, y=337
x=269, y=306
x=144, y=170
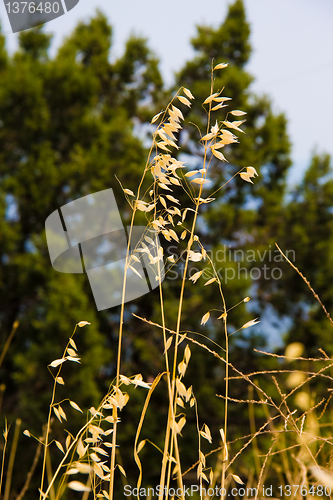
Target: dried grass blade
x=138, y=430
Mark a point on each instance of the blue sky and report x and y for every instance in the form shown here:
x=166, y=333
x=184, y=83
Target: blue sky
x=292, y=58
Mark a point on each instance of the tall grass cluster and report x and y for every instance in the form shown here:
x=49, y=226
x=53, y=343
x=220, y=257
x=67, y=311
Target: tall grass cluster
x=289, y=408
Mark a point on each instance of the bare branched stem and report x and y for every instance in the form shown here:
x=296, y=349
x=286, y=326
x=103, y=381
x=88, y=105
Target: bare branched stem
x=316, y=296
